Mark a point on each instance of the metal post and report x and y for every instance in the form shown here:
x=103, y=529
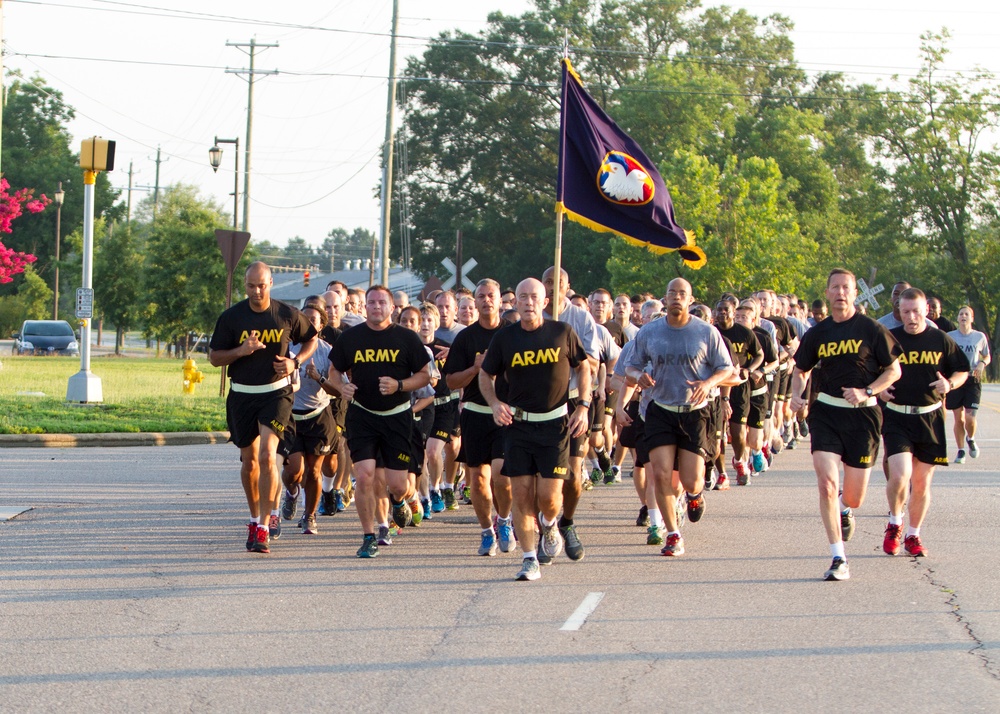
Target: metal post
x=85, y=387
x=59, y=202
x=246, y=162
x=387, y=148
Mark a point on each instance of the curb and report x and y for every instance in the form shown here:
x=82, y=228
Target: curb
x=179, y=438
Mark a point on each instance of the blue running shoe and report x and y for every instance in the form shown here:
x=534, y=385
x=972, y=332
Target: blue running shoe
x=758, y=461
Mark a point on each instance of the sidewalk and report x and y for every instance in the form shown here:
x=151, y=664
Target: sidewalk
x=179, y=438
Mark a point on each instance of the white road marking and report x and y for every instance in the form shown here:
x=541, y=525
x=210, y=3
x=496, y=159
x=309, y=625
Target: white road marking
x=576, y=620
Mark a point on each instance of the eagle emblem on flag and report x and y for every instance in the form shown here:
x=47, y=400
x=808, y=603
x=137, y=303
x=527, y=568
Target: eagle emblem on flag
x=625, y=181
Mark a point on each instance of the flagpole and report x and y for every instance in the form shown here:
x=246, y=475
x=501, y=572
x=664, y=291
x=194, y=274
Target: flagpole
x=557, y=277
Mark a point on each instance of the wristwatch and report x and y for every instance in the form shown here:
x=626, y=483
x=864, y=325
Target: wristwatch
x=869, y=392
x=583, y=404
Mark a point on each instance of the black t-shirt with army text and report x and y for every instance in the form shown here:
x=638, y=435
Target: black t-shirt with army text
x=746, y=347
x=277, y=327
x=924, y=355
x=369, y=354
x=851, y=354
x=770, y=354
x=537, y=363
x=470, y=343
x=441, y=388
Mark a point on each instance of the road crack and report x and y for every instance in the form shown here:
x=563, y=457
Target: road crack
x=978, y=649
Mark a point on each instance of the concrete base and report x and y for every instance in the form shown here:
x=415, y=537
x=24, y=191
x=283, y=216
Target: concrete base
x=84, y=388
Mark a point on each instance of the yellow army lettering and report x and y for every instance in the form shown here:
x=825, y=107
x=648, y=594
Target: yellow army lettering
x=266, y=336
x=925, y=357
x=405, y=458
x=844, y=347
x=941, y=460
x=739, y=347
x=376, y=356
x=865, y=459
x=559, y=470
x=530, y=358
x=278, y=427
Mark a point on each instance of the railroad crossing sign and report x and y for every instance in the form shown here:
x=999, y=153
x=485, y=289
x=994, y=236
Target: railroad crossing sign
x=867, y=294
x=467, y=266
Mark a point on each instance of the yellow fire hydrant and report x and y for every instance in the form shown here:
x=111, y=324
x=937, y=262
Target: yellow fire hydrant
x=192, y=376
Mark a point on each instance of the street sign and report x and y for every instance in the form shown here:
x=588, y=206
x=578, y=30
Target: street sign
x=85, y=303
x=867, y=294
x=452, y=268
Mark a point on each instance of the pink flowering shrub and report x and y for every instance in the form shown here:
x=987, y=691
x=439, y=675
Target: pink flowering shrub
x=12, y=206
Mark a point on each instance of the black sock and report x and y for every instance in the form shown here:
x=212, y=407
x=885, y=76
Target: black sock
x=565, y=522
x=602, y=459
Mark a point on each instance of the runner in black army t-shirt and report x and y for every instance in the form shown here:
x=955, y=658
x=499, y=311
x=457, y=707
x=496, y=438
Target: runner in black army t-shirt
x=748, y=357
x=252, y=338
x=536, y=355
x=860, y=359
x=482, y=438
x=913, y=423
x=385, y=361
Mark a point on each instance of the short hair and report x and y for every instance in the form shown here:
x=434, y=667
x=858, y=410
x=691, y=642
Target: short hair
x=490, y=282
x=408, y=308
x=840, y=271
x=432, y=311
x=446, y=294
x=374, y=288
x=510, y=316
x=912, y=294
x=462, y=291
x=602, y=291
x=336, y=285
x=654, y=305
x=702, y=311
x=817, y=304
x=315, y=302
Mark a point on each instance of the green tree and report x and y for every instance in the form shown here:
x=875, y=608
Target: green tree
x=942, y=181
x=33, y=301
x=37, y=153
x=118, y=271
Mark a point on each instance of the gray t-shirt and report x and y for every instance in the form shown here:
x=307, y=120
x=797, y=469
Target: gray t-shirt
x=350, y=319
x=585, y=327
x=975, y=345
x=448, y=334
x=311, y=394
x=890, y=321
x=673, y=356
x=630, y=331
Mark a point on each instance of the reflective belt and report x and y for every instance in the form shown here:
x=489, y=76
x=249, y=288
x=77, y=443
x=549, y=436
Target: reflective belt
x=906, y=409
x=395, y=410
x=683, y=408
x=260, y=388
x=839, y=402
x=477, y=408
x=783, y=367
x=311, y=415
x=574, y=393
x=444, y=400
x=521, y=415
x=759, y=391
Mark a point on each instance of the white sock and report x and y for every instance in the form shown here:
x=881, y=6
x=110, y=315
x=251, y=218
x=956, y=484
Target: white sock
x=656, y=518
x=274, y=512
x=505, y=519
x=255, y=521
x=328, y=483
x=843, y=508
x=911, y=531
x=837, y=550
x=447, y=487
x=895, y=520
x=488, y=530
x=676, y=533
x=384, y=524
x=531, y=554
x=545, y=524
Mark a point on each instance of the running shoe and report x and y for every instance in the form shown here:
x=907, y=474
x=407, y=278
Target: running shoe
x=742, y=473
x=552, y=541
x=251, y=535
x=529, y=570
x=722, y=484
x=309, y=525
x=674, y=546
x=768, y=458
x=466, y=495
x=401, y=513
x=973, y=448
x=643, y=519
x=838, y=570
x=960, y=459
x=914, y=547
x=275, y=527
x=340, y=501
x=488, y=546
x=328, y=503
x=696, y=507
x=711, y=478
x=586, y=484
x=757, y=461
x=437, y=502
x=505, y=534
x=384, y=538
x=260, y=541
x=596, y=475
x=574, y=548
x=792, y=443
x=680, y=510
x=803, y=427
x=609, y=477
x=654, y=535
x=416, y=515
x=893, y=537
x=369, y=548
x=449, y=499
x=846, y=524
x=425, y=505
x=289, y=504
x=616, y=471
x=777, y=445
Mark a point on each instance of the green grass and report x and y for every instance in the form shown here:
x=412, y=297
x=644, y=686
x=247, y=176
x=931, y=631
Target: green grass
x=140, y=394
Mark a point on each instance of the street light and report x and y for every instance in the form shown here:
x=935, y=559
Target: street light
x=215, y=159
x=58, y=197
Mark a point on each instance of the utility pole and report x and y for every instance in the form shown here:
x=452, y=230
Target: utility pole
x=128, y=213
x=387, y=148
x=252, y=45
x=3, y=89
x=156, y=188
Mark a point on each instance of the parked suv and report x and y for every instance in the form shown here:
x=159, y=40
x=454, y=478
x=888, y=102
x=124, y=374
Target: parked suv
x=46, y=337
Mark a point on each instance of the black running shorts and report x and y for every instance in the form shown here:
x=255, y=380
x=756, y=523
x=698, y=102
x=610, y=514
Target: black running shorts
x=596, y=413
x=578, y=445
x=688, y=430
x=245, y=412
x=919, y=434
x=314, y=436
x=967, y=396
x=445, y=421
x=482, y=439
x=851, y=433
x=739, y=400
x=537, y=448
x=383, y=438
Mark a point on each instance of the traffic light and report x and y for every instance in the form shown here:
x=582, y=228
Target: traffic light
x=305, y=279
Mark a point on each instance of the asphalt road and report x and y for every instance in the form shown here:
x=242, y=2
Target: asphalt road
x=125, y=585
